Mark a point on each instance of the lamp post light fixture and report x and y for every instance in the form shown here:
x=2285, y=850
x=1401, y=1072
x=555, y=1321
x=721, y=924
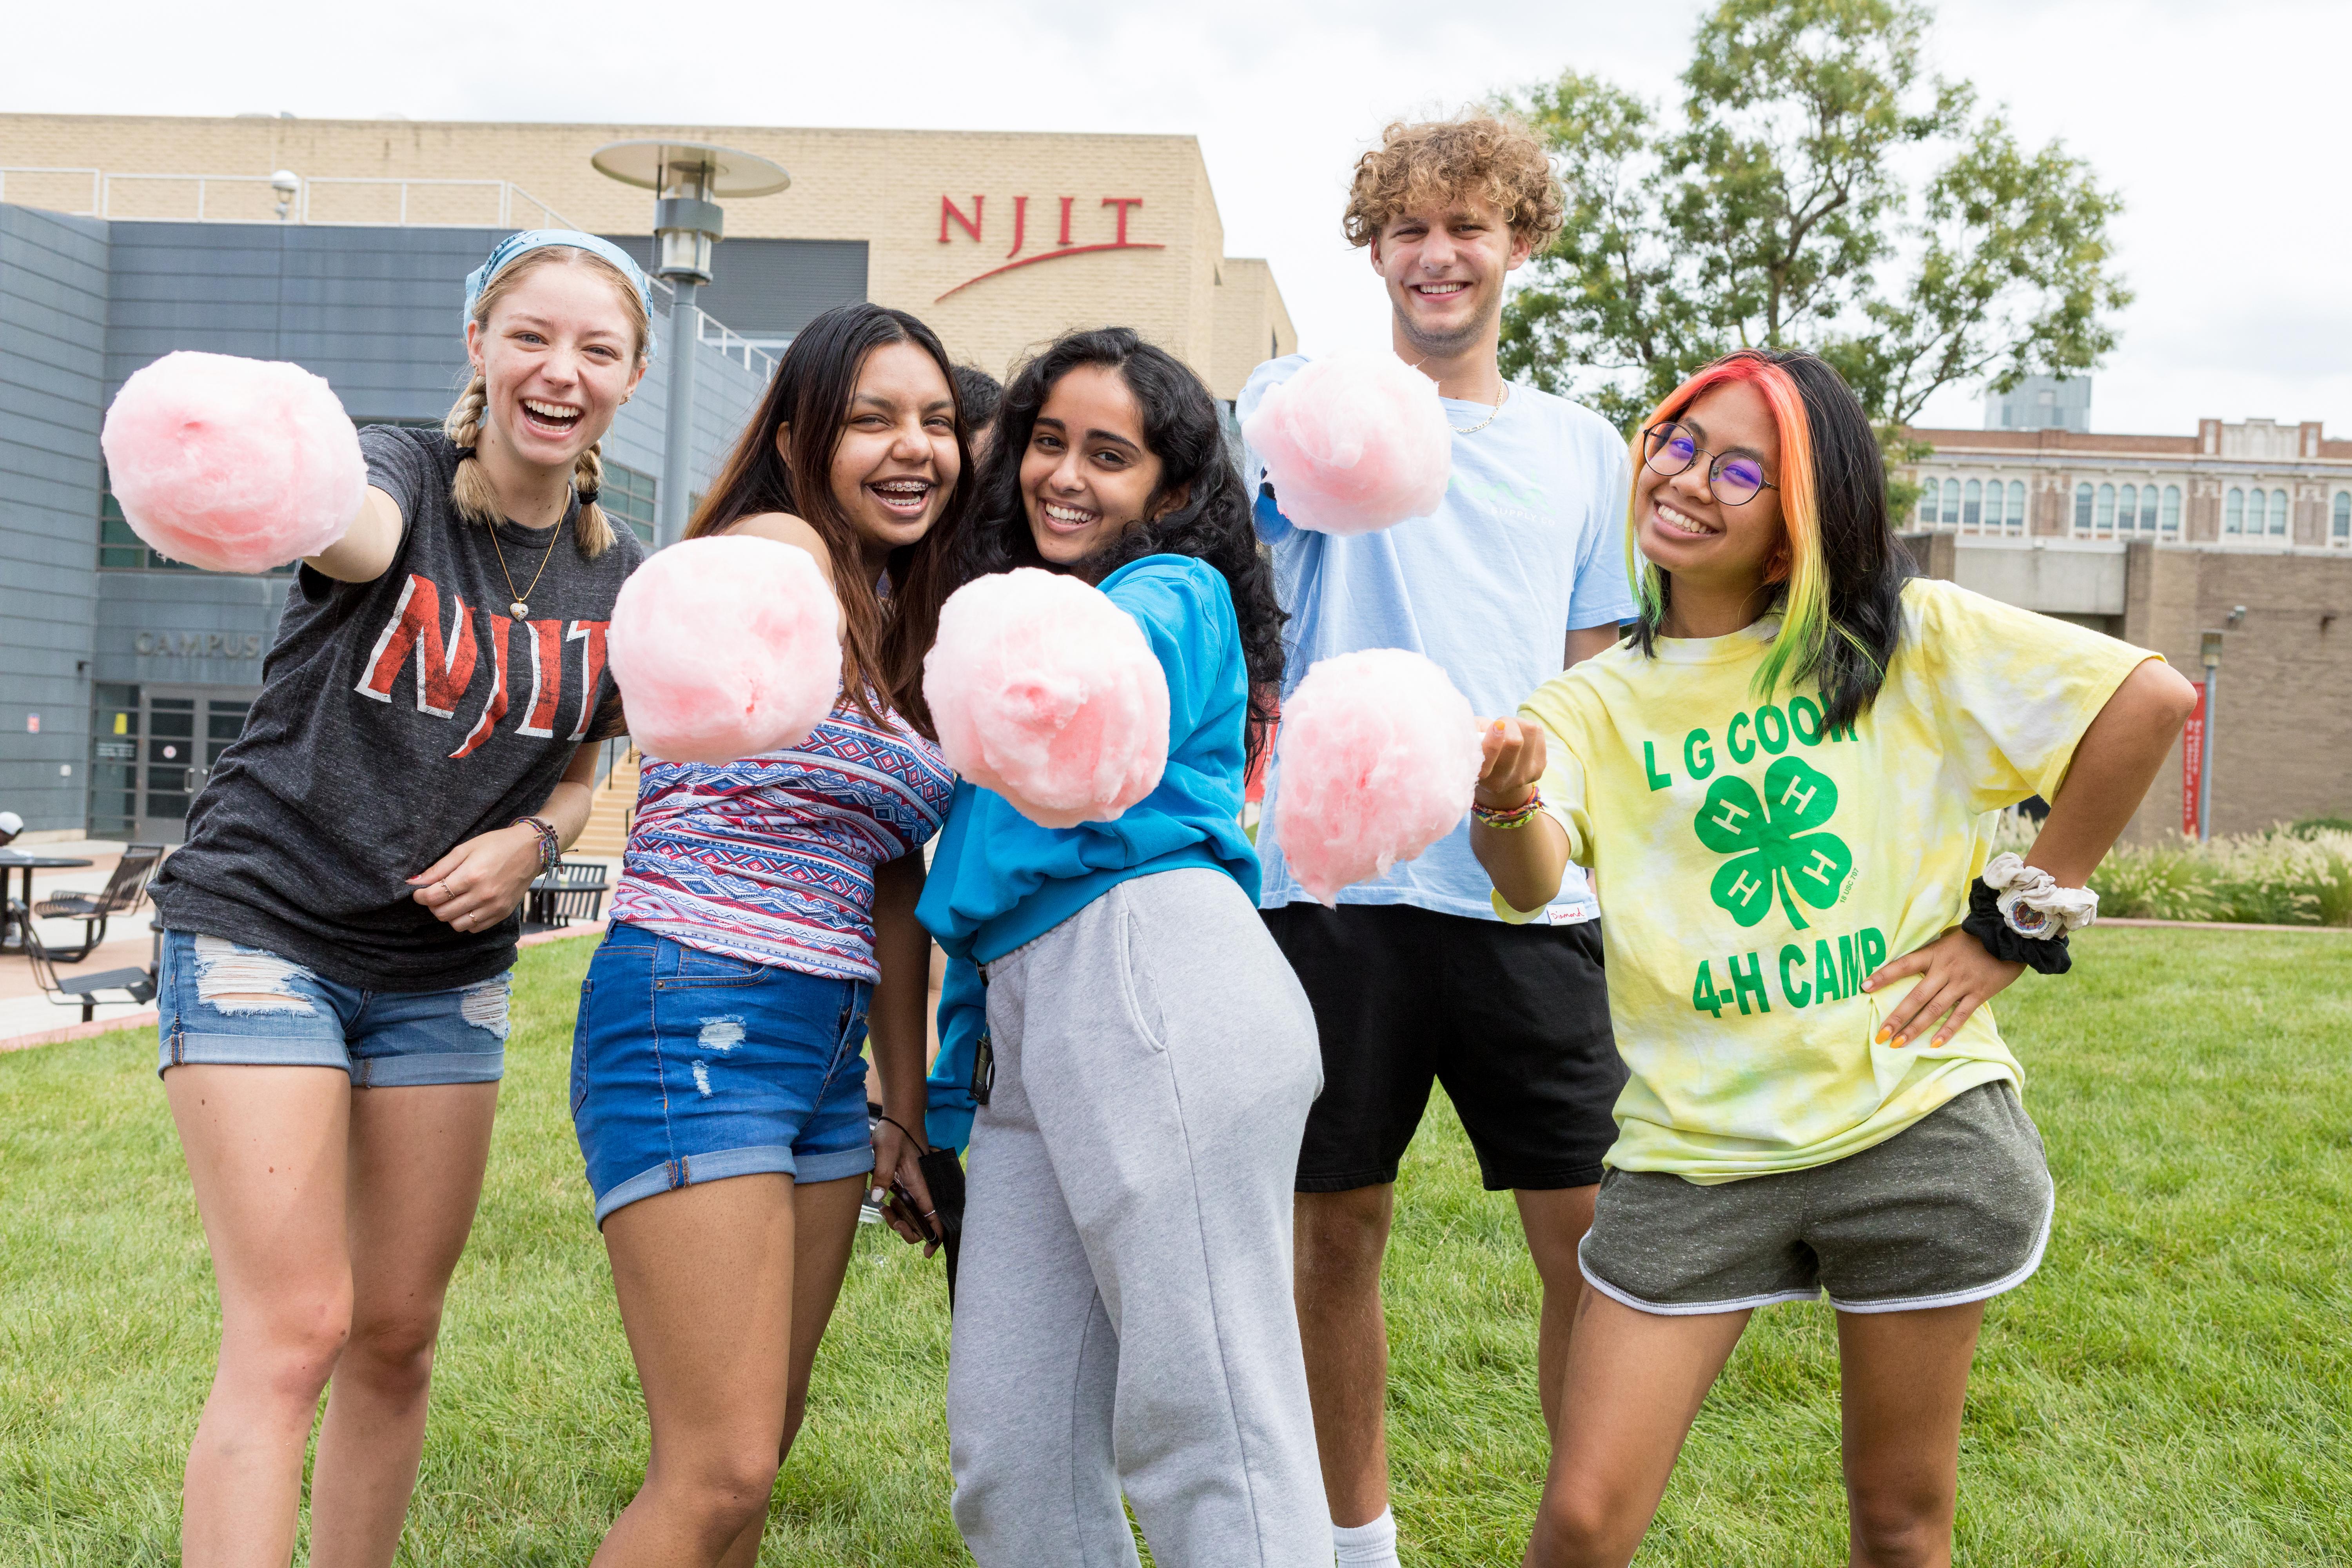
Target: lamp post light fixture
x=686, y=178
x=2209, y=650
x=285, y=186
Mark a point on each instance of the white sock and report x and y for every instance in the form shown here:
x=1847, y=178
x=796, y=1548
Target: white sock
x=1371, y=1545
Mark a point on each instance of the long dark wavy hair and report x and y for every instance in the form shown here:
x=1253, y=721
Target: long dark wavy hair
x=882, y=641
x=1838, y=577
x=1210, y=522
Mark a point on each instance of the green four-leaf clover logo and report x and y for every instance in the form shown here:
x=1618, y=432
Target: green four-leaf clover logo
x=1772, y=842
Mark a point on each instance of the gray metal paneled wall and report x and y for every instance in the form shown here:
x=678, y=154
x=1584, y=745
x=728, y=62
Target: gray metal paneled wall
x=53, y=290
x=377, y=312
x=771, y=288
x=725, y=395
x=82, y=305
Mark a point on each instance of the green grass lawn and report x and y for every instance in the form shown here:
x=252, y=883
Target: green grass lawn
x=2174, y=1387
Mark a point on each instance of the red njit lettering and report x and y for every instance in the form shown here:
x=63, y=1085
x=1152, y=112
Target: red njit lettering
x=446, y=661
x=954, y=218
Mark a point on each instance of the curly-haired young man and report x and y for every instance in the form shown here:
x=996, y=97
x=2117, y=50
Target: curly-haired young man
x=1413, y=978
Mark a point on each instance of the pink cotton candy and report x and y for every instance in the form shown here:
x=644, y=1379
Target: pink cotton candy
x=1354, y=443
x=233, y=465
x=725, y=648
x=1045, y=691
x=1377, y=760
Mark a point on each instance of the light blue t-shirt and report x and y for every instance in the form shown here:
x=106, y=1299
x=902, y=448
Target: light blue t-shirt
x=1528, y=543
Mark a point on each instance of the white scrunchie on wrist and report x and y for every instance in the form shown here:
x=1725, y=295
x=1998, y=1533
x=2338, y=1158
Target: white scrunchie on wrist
x=2031, y=901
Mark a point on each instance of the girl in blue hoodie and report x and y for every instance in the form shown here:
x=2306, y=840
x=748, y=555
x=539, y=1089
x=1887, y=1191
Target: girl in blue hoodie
x=1122, y=1044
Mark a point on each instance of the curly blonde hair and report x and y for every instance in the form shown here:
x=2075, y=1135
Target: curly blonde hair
x=1496, y=160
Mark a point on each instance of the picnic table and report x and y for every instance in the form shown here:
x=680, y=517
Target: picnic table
x=11, y=940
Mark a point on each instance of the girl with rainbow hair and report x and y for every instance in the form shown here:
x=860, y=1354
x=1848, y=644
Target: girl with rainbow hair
x=1785, y=780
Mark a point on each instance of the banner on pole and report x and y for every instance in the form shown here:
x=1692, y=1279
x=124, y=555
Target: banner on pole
x=2192, y=763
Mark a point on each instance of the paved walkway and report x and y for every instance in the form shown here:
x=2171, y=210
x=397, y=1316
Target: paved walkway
x=27, y=1017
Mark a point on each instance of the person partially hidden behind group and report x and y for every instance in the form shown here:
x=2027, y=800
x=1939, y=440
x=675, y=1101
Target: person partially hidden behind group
x=338, y=927
x=763, y=925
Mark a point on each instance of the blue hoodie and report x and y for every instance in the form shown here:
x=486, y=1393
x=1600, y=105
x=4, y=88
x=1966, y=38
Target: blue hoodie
x=1000, y=881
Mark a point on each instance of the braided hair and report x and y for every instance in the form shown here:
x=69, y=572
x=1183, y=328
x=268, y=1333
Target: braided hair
x=471, y=491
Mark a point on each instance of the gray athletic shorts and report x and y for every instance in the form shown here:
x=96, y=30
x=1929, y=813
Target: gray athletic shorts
x=1955, y=1207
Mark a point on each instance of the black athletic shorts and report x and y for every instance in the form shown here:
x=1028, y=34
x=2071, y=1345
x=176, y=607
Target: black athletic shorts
x=1513, y=1020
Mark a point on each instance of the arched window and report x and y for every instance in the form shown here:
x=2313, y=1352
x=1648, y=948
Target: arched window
x=1972, y=504
x=2339, y=533
x=2103, y=520
x=2016, y=505
x=1930, y=498
x=2233, y=511
x=2127, y=510
x=2278, y=514
x=2172, y=511
x=1951, y=503
x=2082, y=509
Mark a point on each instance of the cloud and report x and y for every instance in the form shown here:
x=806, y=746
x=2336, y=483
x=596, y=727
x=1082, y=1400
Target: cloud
x=2217, y=123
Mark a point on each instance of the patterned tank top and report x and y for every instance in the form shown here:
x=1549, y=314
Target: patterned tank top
x=772, y=858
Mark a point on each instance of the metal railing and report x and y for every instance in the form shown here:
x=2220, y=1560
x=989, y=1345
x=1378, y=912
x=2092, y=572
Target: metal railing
x=503, y=204
x=509, y=206
x=511, y=198
x=97, y=184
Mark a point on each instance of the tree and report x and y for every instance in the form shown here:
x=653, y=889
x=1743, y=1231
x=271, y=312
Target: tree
x=1778, y=213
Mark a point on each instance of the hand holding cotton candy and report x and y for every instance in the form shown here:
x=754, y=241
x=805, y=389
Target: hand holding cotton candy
x=725, y=648
x=1354, y=443
x=1377, y=760
x=1046, y=692
x=233, y=465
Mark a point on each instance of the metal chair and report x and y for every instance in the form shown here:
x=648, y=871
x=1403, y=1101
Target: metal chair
x=579, y=892
x=83, y=990
x=123, y=891
x=574, y=890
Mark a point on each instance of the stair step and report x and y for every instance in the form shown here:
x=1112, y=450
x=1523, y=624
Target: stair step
x=612, y=812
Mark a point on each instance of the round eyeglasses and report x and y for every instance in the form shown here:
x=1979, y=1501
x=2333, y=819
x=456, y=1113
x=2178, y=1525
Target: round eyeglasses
x=1668, y=449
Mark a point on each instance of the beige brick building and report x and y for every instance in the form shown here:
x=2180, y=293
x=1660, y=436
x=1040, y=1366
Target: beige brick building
x=2243, y=528
x=1000, y=240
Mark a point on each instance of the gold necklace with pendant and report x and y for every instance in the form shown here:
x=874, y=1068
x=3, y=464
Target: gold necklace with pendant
x=519, y=609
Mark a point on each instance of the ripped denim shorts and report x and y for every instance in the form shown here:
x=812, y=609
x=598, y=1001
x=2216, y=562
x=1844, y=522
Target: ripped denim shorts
x=692, y=1067
x=220, y=1002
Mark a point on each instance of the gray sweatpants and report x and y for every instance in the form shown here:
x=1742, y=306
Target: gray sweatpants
x=1123, y=1315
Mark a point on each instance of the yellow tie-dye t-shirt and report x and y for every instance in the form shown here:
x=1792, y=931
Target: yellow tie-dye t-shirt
x=1753, y=865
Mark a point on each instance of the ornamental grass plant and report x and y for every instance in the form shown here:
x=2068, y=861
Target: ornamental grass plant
x=2299, y=875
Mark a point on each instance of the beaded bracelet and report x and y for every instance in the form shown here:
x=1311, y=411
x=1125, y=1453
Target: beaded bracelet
x=1519, y=816
x=550, y=851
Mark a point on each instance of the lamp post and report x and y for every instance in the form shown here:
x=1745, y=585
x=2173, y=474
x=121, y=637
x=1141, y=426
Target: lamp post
x=2210, y=649
x=686, y=178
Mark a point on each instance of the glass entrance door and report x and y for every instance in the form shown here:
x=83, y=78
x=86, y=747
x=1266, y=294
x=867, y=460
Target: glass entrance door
x=154, y=748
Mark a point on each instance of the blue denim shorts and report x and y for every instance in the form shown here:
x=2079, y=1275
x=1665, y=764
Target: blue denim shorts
x=218, y=1001
x=687, y=1066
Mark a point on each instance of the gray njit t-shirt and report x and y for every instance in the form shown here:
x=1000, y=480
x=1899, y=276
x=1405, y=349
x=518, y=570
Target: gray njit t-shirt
x=397, y=719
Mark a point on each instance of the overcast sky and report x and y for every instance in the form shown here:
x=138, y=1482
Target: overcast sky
x=2224, y=125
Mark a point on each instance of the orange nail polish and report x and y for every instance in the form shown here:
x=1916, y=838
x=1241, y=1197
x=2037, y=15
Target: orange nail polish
x=1884, y=1034
x=1901, y=1040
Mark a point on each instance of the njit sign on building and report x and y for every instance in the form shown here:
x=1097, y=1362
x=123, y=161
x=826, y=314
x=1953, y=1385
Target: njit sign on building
x=343, y=245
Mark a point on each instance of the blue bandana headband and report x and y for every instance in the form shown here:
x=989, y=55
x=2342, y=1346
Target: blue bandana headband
x=530, y=240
